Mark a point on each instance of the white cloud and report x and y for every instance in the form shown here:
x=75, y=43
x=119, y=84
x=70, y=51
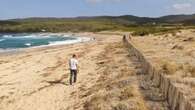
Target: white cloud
x=184, y=8
x=97, y=1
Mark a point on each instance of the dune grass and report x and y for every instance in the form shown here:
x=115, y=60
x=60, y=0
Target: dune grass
x=114, y=89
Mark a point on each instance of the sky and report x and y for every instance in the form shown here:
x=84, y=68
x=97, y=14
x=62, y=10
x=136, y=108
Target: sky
x=10, y=9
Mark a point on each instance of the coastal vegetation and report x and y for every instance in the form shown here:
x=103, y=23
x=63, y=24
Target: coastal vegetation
x=137, y=25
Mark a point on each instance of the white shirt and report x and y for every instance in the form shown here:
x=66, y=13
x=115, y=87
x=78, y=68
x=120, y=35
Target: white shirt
x=73, y=64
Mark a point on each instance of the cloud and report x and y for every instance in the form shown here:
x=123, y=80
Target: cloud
x=184, y=8
x=98, y=1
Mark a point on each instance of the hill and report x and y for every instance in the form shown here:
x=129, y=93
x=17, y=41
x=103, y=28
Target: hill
x=92, y=24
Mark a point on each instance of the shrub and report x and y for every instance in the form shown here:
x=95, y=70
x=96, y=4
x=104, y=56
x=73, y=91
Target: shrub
x=170, y=67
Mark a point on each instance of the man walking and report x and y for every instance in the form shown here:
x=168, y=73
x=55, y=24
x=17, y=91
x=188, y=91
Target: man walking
x=73, y=64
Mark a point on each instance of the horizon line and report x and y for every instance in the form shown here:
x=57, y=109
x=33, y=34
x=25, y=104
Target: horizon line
x=73, y=17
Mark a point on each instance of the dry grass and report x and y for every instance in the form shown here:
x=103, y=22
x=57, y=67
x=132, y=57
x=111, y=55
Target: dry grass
x=126, y=98
x=125, y=72
x=170, y=67
x=179, y=47
x=121, y=106
x=189, y=39
x=115, y=89
x=128, y=92
x=189, y=68
x=190, y=53
x=193, y=71
x=98, y=102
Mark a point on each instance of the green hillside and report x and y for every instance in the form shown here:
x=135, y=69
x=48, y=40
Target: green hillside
x=99, y=23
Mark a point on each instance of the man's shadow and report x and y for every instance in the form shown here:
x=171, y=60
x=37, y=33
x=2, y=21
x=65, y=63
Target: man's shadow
x=58, y=82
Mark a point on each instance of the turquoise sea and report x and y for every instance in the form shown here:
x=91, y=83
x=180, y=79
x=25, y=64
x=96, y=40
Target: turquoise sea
x=15, y=41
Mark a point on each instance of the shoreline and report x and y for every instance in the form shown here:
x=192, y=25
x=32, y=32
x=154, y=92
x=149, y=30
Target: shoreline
x=80, y=38
x=28, y=80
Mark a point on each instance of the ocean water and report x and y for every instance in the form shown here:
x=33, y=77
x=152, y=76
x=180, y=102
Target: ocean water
x=15, y=41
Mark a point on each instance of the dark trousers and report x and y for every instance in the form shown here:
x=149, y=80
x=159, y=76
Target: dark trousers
x=73, y=75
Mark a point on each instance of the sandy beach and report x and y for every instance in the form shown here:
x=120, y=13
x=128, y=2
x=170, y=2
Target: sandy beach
x=37, y=79
x=132, y=55
x=110, y=77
